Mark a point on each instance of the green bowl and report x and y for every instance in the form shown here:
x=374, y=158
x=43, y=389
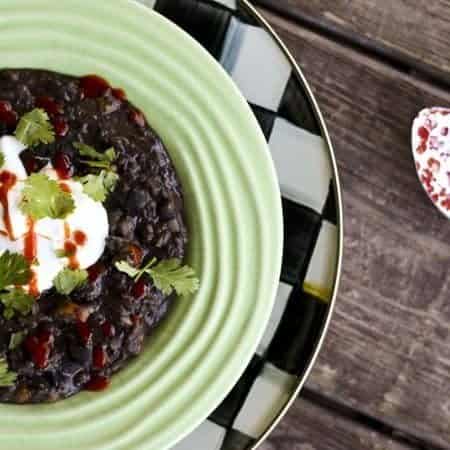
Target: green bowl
x=233, y=211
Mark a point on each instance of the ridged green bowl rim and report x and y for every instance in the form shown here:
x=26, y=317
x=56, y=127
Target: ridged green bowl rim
x=233, y=210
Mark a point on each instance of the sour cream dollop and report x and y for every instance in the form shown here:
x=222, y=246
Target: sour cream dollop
x=82, y=235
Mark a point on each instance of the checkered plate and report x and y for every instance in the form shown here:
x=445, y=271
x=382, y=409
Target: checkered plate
x=268, y=77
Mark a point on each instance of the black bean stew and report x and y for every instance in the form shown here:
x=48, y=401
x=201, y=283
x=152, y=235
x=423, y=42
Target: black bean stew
x=76, y=342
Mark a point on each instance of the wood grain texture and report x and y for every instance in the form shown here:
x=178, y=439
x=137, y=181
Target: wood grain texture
x=388, y=348
x=310, y=427
x=417, y=32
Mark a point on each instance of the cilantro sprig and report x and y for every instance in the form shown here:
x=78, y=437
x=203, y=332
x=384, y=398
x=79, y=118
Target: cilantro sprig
x=7, y=377
x=68, y=280
x=43, y=197
x=98, y=187
x=100, y=184
x=16, y=301
x=14, y=270
x=168, y=275
x=35, y=128
x=99, y=160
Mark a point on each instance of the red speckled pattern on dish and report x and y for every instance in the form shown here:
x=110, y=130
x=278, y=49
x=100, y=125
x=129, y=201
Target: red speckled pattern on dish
x=431, y=149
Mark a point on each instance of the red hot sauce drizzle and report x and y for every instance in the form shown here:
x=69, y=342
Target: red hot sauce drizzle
x=39, y=346
x=70, y=248
x=61, y=126
x=97, y=383
x=119, y=94
x=55, y=111
x=71, y=244
x=62, y=163
x=93, y=86
x=65, y=188
x=7, y=115
x=30, y=249
x=33, y=285
x=49, y=105
x=7, y=182
x=30, y=253
x=79, y=237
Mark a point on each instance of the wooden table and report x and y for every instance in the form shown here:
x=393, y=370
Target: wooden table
x=383, y=377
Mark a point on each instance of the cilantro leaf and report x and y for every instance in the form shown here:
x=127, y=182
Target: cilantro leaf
x=16, y=301
x=132, y=272
x=16, y=339
x=167, y=276
x=14, y=270
x=170, y=275
x=102, y=160
x=99, y=186
x=110, y=180
x=68, y=280
x=111, y=154
x=123, y=266
x=2, y=159
x=43, y=197
x=87, y=150
x=7, y=378
x=35, y=128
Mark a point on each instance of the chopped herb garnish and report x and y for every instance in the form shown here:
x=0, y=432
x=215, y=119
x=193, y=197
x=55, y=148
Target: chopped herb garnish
x=2, y=159
x=14, y=270
x=68, y=280
x=7, y=378
x=167, y=276
x=16, y=339
x=16, y=300
x=131, y=271
x=43, y=197
x=100, y=160
x=35, y=128
x=99, y=186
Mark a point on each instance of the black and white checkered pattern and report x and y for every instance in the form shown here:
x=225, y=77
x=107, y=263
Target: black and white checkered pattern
x=232, y=36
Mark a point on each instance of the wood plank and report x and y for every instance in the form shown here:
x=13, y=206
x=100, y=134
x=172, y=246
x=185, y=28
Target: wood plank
x=308, y=426
x=415, y=32
x=388, y=349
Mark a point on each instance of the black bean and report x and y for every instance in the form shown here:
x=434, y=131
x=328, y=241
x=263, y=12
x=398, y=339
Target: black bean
x=163, y=239
x=114, y=217
x=154, y=183
x=174, y=226
x=167, y=210
x=147, y=233
x=137, y=199
x=80, y=353
x=135, y=341
x=127, y=226
x=25, y=98
x=80, y=379
x=70, y=369
x=70, y=92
